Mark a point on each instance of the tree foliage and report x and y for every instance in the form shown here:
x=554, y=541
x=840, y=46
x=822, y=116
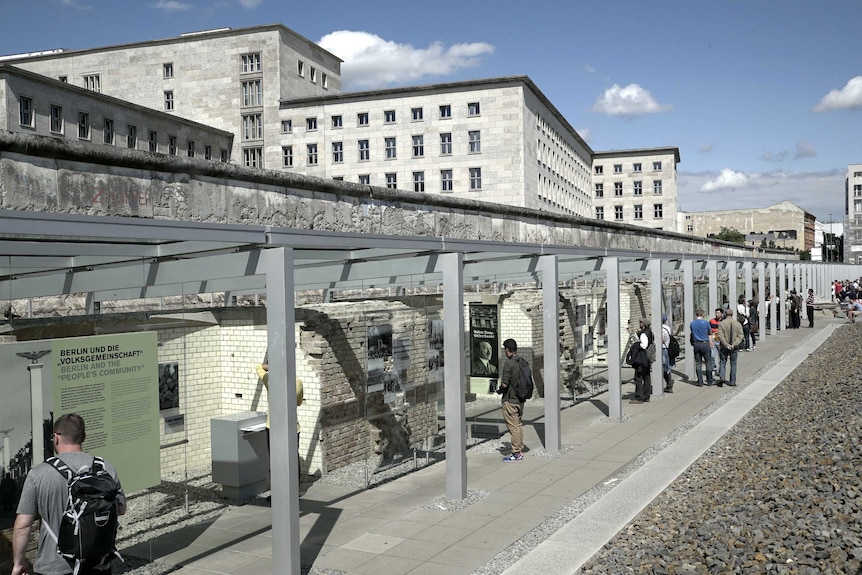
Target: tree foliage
x=730, y=235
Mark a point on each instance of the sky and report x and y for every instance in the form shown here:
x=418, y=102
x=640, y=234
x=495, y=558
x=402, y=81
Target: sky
x=762, y=98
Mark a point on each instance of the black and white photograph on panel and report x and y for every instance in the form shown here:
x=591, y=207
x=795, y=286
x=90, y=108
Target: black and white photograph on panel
x=169, y=386
x=379, y=341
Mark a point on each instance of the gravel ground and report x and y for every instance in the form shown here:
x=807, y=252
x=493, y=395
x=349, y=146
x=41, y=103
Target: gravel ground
x=779, y=493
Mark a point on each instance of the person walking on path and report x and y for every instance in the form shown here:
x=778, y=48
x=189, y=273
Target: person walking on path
x=44, y=495
x=809, y=307
x=754, y=320
x=730, y=337
x=700, y=339
x=513, y=408
x=665, y=355
x=742, y=318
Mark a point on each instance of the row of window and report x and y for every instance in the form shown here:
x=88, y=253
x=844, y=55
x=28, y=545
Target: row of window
x=447, y=180
x=657, y=212
x=57, y=126
x=363, y=119
x=364, y=146
x=312, y=74
x=637, y=189
x=637, y=167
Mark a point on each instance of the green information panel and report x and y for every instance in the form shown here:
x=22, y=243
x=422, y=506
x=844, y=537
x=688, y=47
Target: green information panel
x=113, y=383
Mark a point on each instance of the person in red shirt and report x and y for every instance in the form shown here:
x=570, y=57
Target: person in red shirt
x=713, y=336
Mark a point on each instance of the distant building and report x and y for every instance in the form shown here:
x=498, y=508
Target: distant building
x=497, y=140
x=853, y=214
x=637, y=187
x=784, y=224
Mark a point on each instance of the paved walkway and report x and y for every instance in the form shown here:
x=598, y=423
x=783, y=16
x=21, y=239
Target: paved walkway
x=390, y=530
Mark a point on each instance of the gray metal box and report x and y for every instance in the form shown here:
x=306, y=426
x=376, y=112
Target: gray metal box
x=240, y=459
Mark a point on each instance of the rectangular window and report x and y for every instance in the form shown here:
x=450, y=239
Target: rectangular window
x=391, y=181
x=153, y=141
x=250, y=62
x=364, y=151
x=93, y=82
x=599, y=170
x=56, y=119
x=473, y=109
x=337, y=152
x=336, y=122
x=286, y=126
x=475, y=138
x=389, y=116
x=418, y=181
x=445, y=180
x=618, y=213
x=172, y=145
x=300, y=68
x=639, y=189
x=637, y=167
x=190, y=149
x=657, y=211
x=223, y=155
x=600, y=213
x=391, y=151
x=618, y=168
x=445, y=111
x=83, y=125
x=475, y=178
x=639, y=212
x=445, y=144
x=362, y=118
x=365, y=179
x=169, y=100
x=252, y=127
x=252, y=93
x=312, y=154
x=312, y=74
x=64, y=79
x=324, y=81
x=656, y=187
x=287, y=156
x=416, y=114
x=311, y=123
x=618, y=189
x=132, y=136
x=108, y=132
x=208, y=152
x=418, y=146
x=25, y=112
x=168, y=70
x=600, y=190
x=656, y=166
x=252, y=157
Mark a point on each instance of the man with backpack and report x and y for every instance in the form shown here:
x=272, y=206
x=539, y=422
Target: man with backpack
x=641, y=358
x=516, y=387
x=46, y=495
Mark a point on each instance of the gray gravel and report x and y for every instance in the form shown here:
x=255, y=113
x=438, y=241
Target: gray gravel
x=779, y=493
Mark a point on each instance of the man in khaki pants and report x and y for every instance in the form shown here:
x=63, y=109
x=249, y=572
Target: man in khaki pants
x=513, y=408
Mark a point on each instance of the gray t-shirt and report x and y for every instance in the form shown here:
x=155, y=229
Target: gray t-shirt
x=44, y=495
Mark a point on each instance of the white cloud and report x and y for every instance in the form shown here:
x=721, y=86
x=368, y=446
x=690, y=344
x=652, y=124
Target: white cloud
x=847, y=98
x=372, y=62
x=707, y=148
x=819, y=193
x=171, y=5
x=775, y=158
x=588, y=68
x=630, y=101
x=804, y=150
x=727, y=179
x=585, y=134
x=248, y=4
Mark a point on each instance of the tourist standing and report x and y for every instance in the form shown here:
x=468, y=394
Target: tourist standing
x=730, y=336
x=700, y=340
x=809, y=307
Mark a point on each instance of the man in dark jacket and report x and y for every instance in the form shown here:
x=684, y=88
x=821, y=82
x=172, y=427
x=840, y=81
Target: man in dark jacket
x=639, y=360
x=513, y=408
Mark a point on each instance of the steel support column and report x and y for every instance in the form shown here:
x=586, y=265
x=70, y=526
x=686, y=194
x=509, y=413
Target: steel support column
x=612, y=329
x=549, y=267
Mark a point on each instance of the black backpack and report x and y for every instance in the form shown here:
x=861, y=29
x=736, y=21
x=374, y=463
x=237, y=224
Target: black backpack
x=672, y=346
x=524, y=387
x=88, y=529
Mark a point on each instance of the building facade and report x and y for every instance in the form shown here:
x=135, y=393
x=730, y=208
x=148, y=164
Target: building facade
x=497, y=140
x=853, y=214
x=783, y=225
x=229, y=79
x=637, y=187
x=36, y=104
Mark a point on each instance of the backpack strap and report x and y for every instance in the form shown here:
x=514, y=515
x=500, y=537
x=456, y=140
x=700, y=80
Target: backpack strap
x=61, y=468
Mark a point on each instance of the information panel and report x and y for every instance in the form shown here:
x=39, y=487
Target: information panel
x=113, y=383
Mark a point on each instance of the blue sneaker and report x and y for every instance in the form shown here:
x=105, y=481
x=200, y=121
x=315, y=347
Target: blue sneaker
x=514, y=457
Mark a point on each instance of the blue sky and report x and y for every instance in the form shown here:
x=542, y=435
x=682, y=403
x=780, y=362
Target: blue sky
x=763, y=98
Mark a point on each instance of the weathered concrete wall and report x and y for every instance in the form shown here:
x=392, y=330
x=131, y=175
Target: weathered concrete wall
x=43, y=174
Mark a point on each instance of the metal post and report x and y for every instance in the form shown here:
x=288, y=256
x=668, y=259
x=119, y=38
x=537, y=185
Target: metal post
x=654, y=266
x=550, y=327
x=612, y=330
x=688, y=311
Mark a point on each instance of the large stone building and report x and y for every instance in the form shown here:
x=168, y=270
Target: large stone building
x=785, y=225
x=229, y=79
x=853, y=214
x=499, y=140
x=637, y=187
